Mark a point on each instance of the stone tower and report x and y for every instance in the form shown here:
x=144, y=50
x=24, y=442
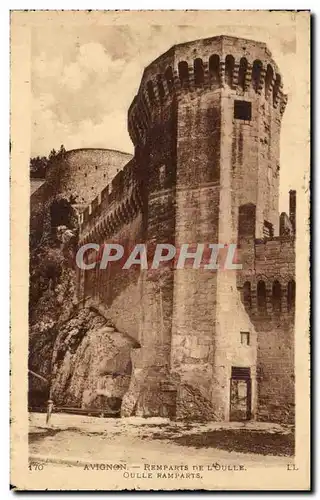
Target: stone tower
x=206, y=128
x=213, y=344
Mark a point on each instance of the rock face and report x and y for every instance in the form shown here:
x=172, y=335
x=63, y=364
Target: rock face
x=91, y=363
x=85, y=360
x=51, y=302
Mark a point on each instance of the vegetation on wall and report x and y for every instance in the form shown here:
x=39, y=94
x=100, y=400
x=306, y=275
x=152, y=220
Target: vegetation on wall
x=40, y=164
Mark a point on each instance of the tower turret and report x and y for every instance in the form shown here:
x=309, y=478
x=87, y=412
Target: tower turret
x=206, y=128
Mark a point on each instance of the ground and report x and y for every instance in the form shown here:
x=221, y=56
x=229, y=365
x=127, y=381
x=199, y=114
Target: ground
x=137, y=440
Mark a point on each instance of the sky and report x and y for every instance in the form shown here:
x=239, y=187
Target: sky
x=83, y=79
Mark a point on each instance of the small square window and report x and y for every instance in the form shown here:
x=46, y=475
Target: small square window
x=242, y=110
x=245, y=338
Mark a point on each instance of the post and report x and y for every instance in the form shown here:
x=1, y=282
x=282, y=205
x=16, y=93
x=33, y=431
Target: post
x=292, y=209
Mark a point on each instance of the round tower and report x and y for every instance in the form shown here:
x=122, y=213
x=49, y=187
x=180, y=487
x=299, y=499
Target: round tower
x=82, y=172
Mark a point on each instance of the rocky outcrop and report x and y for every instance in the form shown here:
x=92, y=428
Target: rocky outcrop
x=91, y=363
x=86, y=362
x=52, y=291
x=51, y=302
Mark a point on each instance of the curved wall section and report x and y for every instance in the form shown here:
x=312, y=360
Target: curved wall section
x=84, y=172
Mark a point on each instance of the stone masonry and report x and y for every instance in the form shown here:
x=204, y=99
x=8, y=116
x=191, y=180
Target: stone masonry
x=205, y=124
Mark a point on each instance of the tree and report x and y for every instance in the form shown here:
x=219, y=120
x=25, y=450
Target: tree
x=39, y=164
x=38, y=167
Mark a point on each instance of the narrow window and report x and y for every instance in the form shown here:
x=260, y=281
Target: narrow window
x=183, y=72
x=242, y=73
x=245, y=338
x=247, y=295
x=276, y=297
x=198, y=72
x=229, y=70
x=242, y=110
x=276, y=87
x=268, y=80
x=256, y=74
x=262, y=296
x=214, y=70
x=291, y=297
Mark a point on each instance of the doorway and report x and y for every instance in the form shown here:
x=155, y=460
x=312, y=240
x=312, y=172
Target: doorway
x=240, y=394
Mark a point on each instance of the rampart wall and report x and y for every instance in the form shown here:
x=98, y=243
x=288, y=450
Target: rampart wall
x=115, y=215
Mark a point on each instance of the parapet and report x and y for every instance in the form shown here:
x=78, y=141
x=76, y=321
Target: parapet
x=115, y=204
x=216, y=62
x=280, y=249
x=268, y=285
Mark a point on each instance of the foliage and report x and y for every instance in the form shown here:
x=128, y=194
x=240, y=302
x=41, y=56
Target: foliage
x=40, y=164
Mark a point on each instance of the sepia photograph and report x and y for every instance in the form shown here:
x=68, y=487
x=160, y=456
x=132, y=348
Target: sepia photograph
x=160, y=195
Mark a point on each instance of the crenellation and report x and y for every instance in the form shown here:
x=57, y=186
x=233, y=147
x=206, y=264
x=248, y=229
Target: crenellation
x=261, y=83
x=195, y=73
x=235, y=75
x=122, y=190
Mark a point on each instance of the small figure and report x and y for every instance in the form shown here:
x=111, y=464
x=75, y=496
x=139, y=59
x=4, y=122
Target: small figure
x=49, y=410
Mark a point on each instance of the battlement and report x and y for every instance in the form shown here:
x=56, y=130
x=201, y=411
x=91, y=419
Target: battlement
x=245, y=66
x=281, y=248
x=113, y=206
x=267, y=281
x=269, y=256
